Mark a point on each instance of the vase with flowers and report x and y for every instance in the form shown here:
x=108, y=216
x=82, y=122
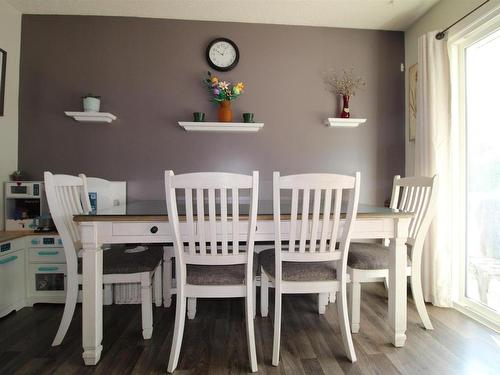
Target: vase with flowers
x=223, y=93
x=345, y=85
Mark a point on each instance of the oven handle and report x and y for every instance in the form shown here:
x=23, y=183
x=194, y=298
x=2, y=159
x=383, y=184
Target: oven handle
x=8, y=259
x=47, y=269
x=47, y=253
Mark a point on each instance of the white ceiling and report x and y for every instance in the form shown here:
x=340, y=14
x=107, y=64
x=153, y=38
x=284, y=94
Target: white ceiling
x=362, y=14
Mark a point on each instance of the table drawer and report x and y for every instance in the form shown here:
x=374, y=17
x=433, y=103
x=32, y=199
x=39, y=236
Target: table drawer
x=141, y=229
x=47, y=255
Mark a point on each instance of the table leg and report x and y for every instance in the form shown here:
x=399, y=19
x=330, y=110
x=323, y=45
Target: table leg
x=92, y=295
x=397, y=282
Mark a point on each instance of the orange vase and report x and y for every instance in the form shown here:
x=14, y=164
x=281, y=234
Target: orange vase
x=225, y=111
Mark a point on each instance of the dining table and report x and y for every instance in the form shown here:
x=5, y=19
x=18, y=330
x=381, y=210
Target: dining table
x=147, y=222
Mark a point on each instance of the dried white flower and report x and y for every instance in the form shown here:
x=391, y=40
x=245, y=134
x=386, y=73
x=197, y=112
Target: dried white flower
x=344, y=84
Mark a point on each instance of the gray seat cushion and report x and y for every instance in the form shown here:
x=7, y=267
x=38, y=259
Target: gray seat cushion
x=233, y=274
x=117, y=261
x=298, y=271
x=369, y=256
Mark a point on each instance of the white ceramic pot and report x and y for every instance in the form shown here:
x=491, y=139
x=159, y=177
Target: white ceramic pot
x=91, y=104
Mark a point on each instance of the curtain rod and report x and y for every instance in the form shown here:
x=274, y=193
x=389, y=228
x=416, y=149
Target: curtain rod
x=442, y=34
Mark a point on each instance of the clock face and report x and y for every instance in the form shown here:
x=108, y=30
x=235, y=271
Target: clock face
x=222, y=54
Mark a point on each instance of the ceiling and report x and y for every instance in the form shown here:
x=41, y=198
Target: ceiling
x=360, y=14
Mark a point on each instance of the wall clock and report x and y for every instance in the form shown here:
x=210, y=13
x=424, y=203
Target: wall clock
x=222, y=54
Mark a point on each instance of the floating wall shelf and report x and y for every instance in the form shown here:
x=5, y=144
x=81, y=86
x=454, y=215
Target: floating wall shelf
x=221, y=127
x=344, y=122
x=91, y=116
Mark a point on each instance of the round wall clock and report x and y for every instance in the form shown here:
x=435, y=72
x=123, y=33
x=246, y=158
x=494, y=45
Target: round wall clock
x=222, y=54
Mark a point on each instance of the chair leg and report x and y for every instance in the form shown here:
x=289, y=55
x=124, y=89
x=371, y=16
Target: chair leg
x=332, y=297
x=69, y=309
x=418, y=298
x=157, y=286
x=146, y=306
x=167, y=282
x=386, y=282
x=249, y=316
x=322, y=302
x=108, y=294
x=180, y=319
x=344, y=323
x=264, y=294
x=191, y=308
x=355, y=306
x=277, y=325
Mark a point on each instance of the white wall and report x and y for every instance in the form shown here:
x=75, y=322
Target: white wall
x=10, y=41
x=438, y=17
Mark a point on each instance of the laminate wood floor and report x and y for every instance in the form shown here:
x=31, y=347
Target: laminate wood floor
x=215, y=342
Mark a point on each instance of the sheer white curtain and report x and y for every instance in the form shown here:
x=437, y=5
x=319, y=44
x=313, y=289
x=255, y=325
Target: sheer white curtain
x=432, y=155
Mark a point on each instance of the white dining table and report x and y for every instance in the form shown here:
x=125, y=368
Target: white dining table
x=147, y=222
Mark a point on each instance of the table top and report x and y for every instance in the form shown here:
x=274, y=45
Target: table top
x=156, y=210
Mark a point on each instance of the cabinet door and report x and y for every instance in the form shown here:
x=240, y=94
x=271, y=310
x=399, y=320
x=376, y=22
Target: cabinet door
x=12, y=282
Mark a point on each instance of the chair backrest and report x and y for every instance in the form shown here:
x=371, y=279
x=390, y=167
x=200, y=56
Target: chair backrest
x=216, y=239
x=313, y=234
x=418, y=196
x=67, y=196
x=109, y=193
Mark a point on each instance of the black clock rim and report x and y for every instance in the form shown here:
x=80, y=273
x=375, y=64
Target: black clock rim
x=225, y=68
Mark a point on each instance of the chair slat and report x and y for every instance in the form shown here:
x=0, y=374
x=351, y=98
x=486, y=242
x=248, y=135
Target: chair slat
x=212, y=221
x=315, y=220
x=421, y=210
x=327, y=205
x=336, y=219
x=304, y=227
x=188, y=196
x=415, y=201
x=402, y=201
x=293, y=220
x=409, y=198
x=223, y=218
x=235, y=198
x=65, y=202
x=200, y=222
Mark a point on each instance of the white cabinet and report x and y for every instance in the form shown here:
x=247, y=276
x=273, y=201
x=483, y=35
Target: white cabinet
x=12, y=279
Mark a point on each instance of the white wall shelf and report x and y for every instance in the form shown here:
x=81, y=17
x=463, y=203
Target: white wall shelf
x=344, y=122
x=91, y=116
x=221, y=127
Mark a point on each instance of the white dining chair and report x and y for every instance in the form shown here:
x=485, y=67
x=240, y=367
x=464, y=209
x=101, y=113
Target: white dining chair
x=369, y=262
x=312, y=258
x=215, y=260
x=68, y=196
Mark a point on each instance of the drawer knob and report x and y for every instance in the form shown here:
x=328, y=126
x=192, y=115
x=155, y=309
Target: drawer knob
x=154, y=229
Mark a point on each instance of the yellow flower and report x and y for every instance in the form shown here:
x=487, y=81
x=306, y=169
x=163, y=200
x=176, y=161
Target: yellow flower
x=215, y=81
x=240, y=86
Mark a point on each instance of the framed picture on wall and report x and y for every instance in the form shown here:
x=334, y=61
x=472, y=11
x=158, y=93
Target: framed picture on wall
x=3, y=65
x=412, y=101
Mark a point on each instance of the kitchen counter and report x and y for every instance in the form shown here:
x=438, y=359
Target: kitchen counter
x=12, y=235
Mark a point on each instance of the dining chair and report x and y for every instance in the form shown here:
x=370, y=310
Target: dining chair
x=68, y=196
x=215, y=259
x=369, y=262
x=312, y=256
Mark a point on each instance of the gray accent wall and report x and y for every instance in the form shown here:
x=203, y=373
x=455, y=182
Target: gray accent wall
x=149, y=73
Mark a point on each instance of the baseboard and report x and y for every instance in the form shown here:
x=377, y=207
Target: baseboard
x=466, y=310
